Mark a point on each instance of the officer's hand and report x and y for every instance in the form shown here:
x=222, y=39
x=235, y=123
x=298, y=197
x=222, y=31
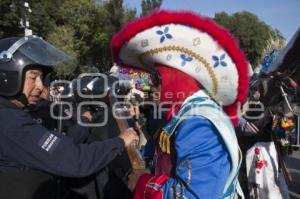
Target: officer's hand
x=129, y=136
x=134, y=111
x=134, y=176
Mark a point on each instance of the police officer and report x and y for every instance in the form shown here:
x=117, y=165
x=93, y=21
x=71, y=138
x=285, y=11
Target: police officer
x=29, y=153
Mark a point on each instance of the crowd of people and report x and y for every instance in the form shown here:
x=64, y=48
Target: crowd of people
x=184, y=126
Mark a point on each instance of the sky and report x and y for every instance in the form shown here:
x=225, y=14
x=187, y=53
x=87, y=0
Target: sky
x=283, y=15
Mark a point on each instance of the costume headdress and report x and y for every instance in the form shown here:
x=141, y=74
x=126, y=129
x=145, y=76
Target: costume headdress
x=192, y=44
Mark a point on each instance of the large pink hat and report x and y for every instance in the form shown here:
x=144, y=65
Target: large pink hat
x=192, y=44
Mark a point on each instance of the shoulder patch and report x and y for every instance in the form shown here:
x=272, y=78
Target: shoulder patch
x=49, y=142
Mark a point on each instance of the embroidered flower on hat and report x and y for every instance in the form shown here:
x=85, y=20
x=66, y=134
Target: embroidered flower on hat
x=144, y=43
x=185, y=59
x=197, y=69
x=219, y=60
x=169, y=57
x=164, y=34
x=196, y=41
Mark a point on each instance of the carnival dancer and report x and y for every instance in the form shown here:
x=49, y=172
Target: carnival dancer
x=255, y=137
x=258, y=133
x=203, y=79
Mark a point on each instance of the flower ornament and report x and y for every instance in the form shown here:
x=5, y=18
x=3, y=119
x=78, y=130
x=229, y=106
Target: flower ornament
x=259, y=161
x=219, y=60
x=257, y=150
x=260, y=164
x=141, y=80
x=185, y=59
x=287, y=124
x=164, y=34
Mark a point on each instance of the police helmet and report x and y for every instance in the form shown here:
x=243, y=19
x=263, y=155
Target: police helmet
x=20, y=53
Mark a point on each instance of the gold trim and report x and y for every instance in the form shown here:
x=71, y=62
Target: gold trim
x=191, y=54
x=164, y=142
x=168, y=144
x=160, y=140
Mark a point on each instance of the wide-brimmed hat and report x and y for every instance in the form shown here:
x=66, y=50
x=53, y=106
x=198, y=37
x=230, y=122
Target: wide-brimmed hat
x=190, y=43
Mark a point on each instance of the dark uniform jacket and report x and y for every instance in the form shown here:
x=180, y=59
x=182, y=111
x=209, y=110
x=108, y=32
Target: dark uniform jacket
x=110, y=182
x=29, y=150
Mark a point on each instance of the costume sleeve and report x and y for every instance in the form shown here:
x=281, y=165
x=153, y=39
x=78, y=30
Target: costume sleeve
x=202, y=165
x=32, y=145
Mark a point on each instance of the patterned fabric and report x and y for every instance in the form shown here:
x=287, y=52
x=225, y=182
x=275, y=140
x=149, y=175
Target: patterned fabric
x=262, y=171
x=197, y=173
x=268, y=60
x=212, y=66
x=141, y=80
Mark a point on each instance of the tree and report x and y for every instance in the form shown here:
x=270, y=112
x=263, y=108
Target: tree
x=114, y=15
x=149, y=5
x=276, y=42
x=82, y=28
x=63, y=37
x=252, y=34
x=45, y=16
x=93, y=24
x=11, y=13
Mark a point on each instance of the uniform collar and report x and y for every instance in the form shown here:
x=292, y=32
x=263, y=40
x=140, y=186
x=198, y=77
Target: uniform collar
x=6, y=103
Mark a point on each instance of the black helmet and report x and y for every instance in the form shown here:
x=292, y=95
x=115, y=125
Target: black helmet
x=17, y=54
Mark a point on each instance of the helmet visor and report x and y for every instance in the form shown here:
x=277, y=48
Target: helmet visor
x=38, y=51
x=42, y=52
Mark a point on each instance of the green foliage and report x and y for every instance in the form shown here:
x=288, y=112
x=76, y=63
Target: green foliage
x=45, y=16
x=10, y=12
x=63, y=37
x=279, y=38
x=94, y=24
x=252, y=34
x=149, y=5
x=82, y=28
